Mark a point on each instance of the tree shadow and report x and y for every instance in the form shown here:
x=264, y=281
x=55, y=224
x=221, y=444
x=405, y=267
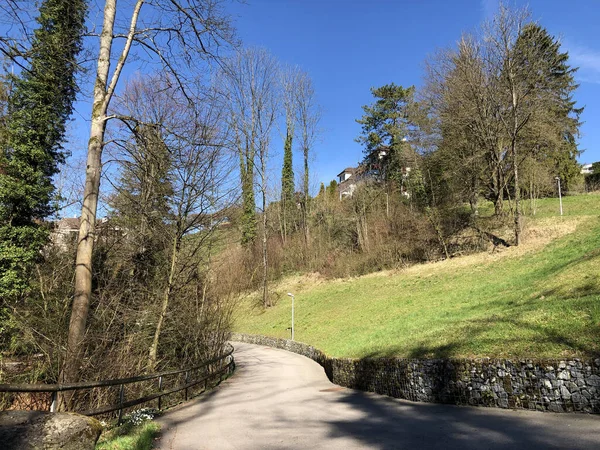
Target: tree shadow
x=312, y=413
x=392, y=424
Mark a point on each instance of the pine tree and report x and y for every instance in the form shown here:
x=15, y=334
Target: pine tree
x=556, y=125
x=321, y=190
x=40, y=104
x=384, y=129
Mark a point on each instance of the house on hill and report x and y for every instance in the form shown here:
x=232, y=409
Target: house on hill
x=347, y=181
x=66, y=231
x=350, y=177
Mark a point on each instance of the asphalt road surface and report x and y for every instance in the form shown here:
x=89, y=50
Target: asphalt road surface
x=280, y=400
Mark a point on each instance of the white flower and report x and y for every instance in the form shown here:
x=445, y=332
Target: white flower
x=140, y=416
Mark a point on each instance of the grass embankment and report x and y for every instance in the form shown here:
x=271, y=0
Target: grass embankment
x=541, y=299
x=129, y=437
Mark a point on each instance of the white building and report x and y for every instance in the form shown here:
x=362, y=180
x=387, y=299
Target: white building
x=347, y=182
x=586, y=169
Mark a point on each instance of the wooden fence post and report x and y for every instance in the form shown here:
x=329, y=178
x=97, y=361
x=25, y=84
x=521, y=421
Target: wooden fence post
x=159, y=390
x=186, y=382
x=53, y=401
x=121, y=397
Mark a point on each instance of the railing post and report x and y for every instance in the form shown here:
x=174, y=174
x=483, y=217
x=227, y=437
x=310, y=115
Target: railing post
x=159, y=390
x=53, y=401
x=186, y=382
x=121, y=398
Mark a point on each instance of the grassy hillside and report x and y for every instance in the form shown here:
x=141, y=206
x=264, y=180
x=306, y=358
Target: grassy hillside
x=541, y=299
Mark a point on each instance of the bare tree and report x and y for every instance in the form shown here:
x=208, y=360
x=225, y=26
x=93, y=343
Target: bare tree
x=18, y=20
x=534, y=92
x=250, y=90
x=467, y=134
x=189, y=143
x=512, y=88
x=308, y=115
x=174, y=34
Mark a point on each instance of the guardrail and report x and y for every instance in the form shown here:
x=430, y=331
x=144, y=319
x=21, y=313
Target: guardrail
x=225, y=362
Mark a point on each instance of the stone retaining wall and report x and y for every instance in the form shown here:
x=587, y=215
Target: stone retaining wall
x=544, y=385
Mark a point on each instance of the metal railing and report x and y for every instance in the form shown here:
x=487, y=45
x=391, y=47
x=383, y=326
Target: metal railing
x=225, y=363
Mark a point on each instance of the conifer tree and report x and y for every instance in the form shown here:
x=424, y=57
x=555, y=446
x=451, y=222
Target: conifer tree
x=39, y=106
x=321, y=190
x=384, y=128
x=332, y=189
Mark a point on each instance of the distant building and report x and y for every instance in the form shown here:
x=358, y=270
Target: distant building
x=347, y=181
x=65, y=232
x=346, y=174
x=586, y=169
x=350, y=177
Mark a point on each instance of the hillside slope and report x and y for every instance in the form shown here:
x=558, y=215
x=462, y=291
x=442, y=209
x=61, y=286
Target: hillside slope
x=541, y=299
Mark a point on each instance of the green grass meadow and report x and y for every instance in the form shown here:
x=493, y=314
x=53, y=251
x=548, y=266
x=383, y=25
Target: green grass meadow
x=539, y=300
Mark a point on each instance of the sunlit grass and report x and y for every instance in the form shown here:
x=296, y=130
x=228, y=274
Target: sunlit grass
x=540, y=300
x=129, y=437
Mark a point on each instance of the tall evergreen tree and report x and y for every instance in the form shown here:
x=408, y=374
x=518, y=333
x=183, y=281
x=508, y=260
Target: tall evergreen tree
x=385, y=125
x=553, y=135
x=40, y=104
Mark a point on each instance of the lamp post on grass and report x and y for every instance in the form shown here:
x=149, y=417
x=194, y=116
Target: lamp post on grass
x=559, y=194
x=292, y=295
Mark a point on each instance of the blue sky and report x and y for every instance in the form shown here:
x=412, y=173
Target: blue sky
x=349, y=46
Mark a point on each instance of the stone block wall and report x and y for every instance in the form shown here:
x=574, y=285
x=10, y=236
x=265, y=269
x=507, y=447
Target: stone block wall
x=545, y=385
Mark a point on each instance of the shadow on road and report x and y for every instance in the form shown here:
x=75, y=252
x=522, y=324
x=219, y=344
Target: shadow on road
x=391, y=424
x=279, y=400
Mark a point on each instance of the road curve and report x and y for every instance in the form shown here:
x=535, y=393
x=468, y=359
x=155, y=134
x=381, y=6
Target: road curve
x=280, y=400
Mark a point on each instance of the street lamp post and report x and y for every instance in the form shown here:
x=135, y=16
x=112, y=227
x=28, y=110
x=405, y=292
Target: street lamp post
x=559, y=194
x=292, y=295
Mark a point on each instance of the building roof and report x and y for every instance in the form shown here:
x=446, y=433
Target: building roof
x=350, y=170
x=68, y=223
x=72, y=223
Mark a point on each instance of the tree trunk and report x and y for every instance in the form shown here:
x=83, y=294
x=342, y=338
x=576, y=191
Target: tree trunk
x=248, y=222
x=499, y=200
x=513, y=147
x=87, y=226
x=306, y=199
x=152, y=353
x=433, y=219
x=265, y=293
x=103, y=91
x=517, y=194
x=282, y=228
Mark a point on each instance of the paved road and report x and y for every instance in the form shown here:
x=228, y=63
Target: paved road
x=280, y=400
